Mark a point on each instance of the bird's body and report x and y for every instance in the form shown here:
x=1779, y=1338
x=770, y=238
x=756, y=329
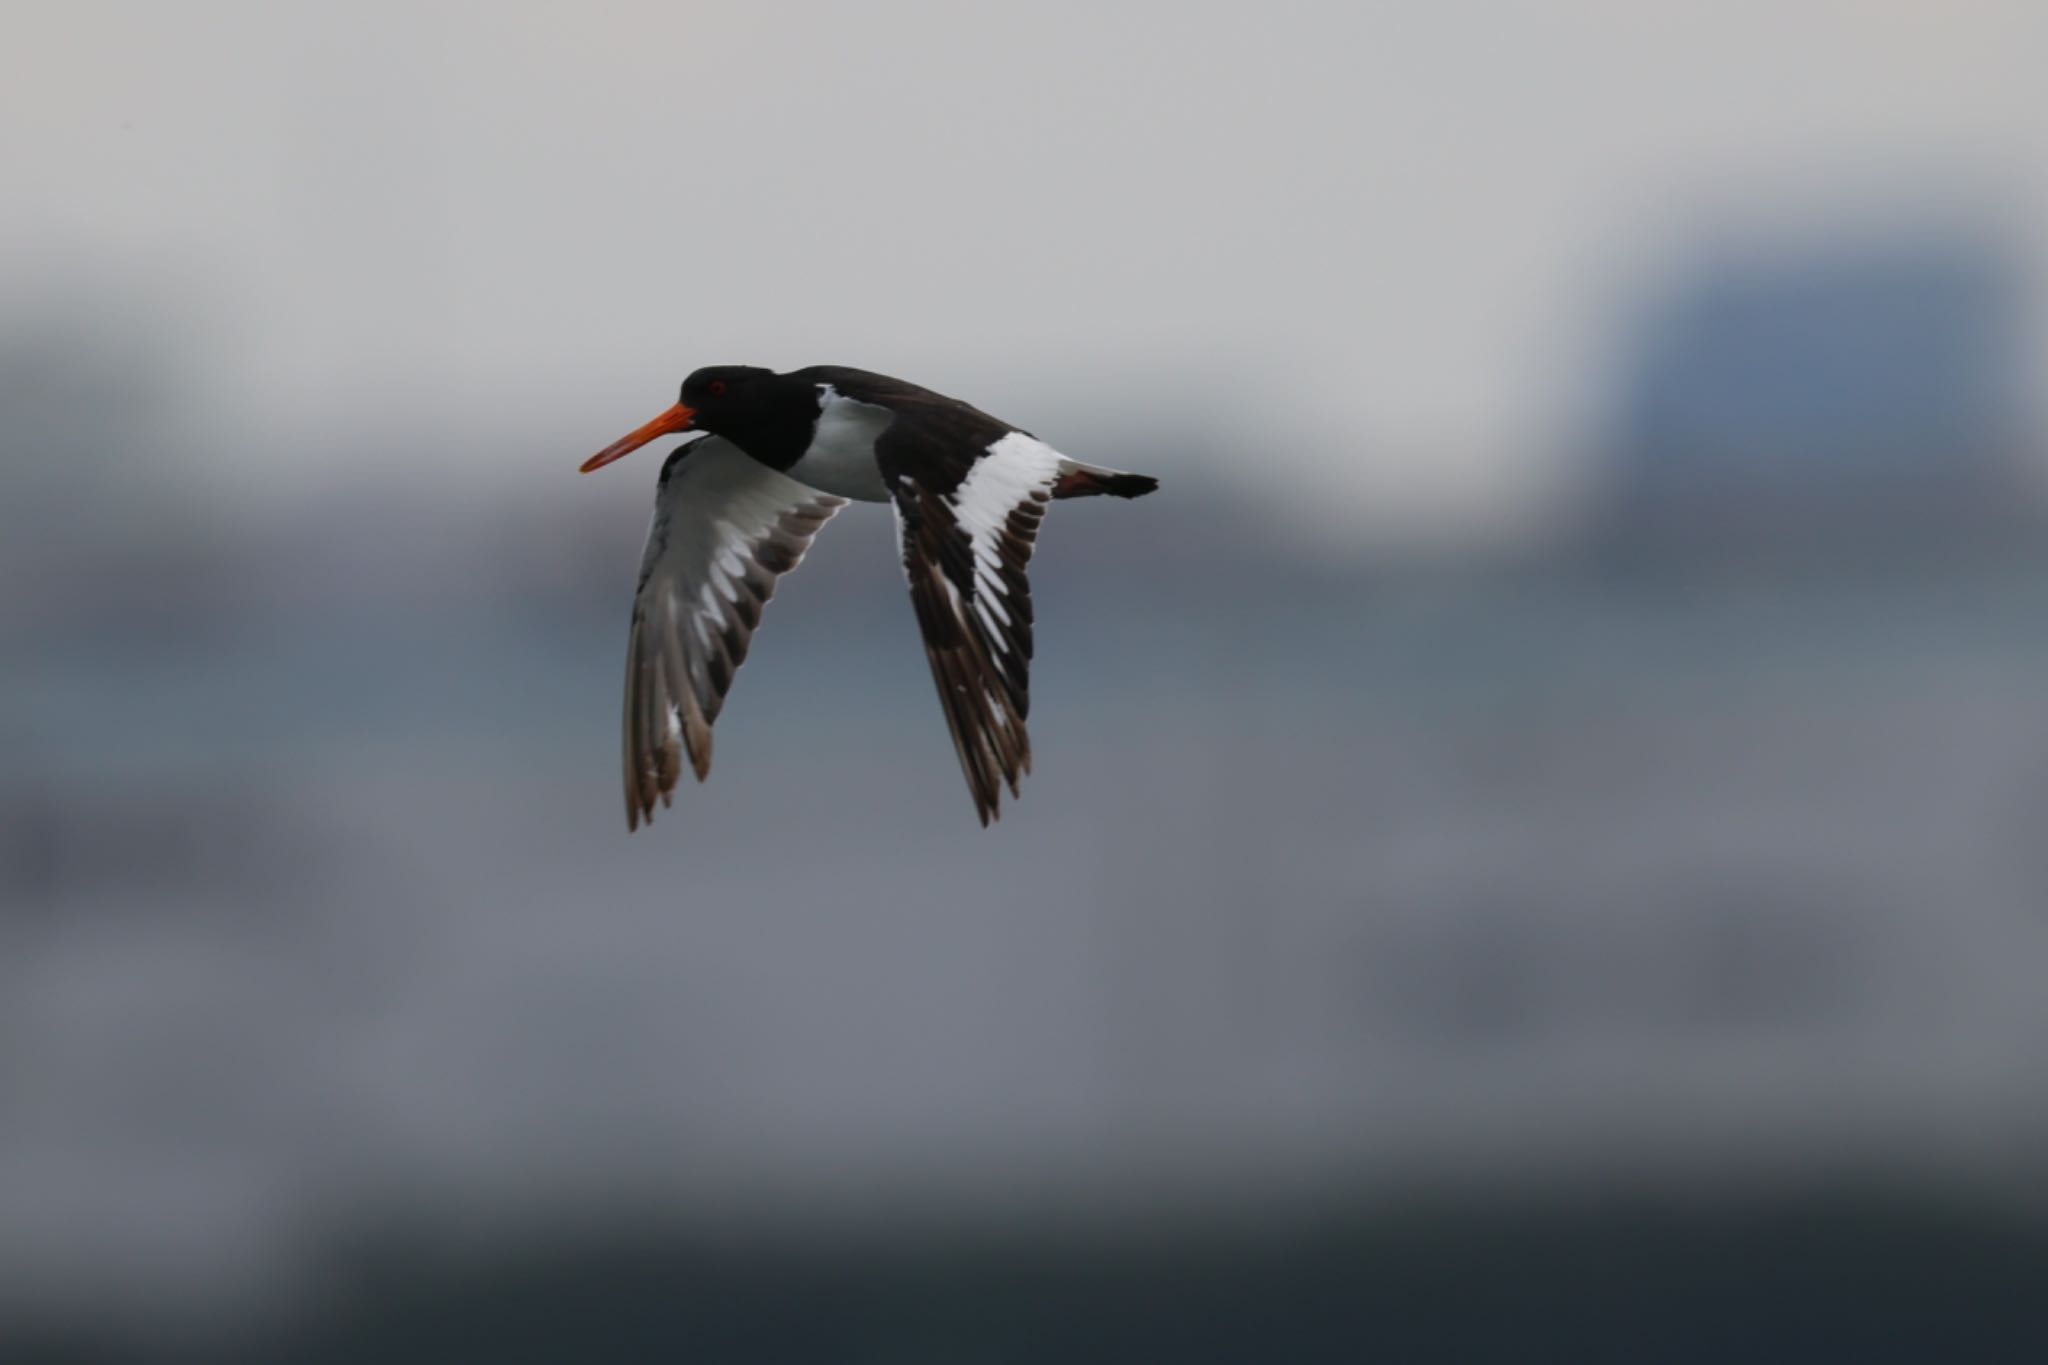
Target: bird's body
x=841, y=456
x=738, y=508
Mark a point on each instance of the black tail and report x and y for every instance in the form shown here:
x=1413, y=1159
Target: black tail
x=1089, y=483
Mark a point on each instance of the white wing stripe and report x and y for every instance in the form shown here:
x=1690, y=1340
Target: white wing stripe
x=1014, y=467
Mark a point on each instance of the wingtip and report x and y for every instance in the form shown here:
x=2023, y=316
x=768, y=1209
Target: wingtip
x=696, y=736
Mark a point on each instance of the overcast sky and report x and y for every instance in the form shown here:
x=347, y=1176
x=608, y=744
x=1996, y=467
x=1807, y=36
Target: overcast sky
x=1392, y=248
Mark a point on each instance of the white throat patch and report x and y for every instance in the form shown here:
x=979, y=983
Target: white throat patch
x=841, y=456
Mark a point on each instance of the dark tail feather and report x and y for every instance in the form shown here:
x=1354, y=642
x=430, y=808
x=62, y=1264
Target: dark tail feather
x=1089, y=483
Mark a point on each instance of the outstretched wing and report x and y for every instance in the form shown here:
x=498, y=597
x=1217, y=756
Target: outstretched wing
x=967, y=538
x=725, y=528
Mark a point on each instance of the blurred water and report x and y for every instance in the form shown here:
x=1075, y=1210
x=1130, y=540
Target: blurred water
x=1334, y=883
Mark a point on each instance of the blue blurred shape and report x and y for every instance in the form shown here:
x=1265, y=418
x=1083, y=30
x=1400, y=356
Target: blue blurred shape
x=1868, y=380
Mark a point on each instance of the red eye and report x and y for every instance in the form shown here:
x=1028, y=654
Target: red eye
x=718, y=388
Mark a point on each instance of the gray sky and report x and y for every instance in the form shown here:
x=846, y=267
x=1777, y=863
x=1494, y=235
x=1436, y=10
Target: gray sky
x=1388, y=247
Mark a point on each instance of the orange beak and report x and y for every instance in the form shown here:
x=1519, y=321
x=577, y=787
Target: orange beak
x=677, y=418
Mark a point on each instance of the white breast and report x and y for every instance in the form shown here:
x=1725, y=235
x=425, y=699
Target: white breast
x=841, y=457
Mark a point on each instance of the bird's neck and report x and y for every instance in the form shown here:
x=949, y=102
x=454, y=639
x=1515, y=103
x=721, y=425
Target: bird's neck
x=779, y=433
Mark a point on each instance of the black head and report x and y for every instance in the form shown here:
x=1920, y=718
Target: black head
x=727, y=398
x=755, y=408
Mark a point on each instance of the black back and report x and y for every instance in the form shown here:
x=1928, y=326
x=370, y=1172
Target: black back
x=935, y=437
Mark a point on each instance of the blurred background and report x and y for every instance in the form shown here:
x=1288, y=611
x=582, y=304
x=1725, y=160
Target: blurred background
x=1537, y=841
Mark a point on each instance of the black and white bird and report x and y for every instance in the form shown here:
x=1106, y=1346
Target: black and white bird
x=737, y=508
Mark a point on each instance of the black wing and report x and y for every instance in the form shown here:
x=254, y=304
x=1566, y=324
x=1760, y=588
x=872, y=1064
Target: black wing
x=967, y=539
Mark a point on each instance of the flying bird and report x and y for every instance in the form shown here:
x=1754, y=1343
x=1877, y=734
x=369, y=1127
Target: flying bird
x=737, y=508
